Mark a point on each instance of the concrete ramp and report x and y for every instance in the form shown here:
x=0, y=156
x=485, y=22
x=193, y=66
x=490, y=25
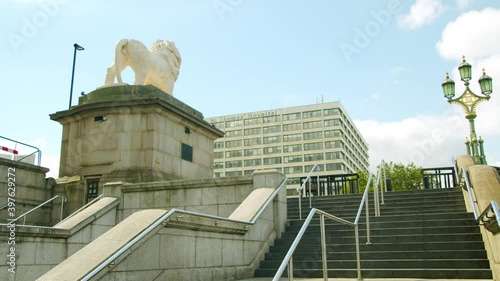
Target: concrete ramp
x=91, y=256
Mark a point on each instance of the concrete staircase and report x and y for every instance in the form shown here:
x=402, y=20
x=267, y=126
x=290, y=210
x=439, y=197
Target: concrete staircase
x=420, y=234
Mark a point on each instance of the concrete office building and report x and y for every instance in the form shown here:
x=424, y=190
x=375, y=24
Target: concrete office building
x=290, y=140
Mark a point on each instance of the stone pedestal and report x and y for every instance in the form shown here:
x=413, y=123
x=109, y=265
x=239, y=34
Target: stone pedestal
x=133, y=134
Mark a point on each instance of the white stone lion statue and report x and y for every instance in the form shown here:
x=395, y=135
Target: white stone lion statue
x=158, y=65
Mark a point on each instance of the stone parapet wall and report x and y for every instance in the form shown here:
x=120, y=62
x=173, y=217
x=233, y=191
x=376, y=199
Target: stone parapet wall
x=31, y=189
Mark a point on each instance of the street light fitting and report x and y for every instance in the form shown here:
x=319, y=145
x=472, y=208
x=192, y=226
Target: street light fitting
x=448, y=87
x=486, y=84
x=465, y=70
x=78, y=47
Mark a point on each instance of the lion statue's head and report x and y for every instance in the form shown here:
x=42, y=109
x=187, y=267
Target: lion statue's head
x=169, y=52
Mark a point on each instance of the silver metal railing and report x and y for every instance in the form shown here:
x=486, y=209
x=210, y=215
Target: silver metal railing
x=80, y=209
x=167, y=216
x=301, y=188
x=491, y=209
x=471, y=194
x=63, y=199
x=288, y=260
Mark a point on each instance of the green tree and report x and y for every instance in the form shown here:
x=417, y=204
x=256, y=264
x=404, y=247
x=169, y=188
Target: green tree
x=363, y=180
x=403, y=177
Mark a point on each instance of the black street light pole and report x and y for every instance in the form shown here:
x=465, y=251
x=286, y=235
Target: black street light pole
x=77, y=48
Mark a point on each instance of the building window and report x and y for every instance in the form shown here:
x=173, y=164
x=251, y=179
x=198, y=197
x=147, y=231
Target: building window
x=334, y=155
x=253, y=141
x=252, y=152
x=233, y=164
x=331, y=111
x=333, y=133
x=291, y=116
x=273, y=139
x=271, y=119
x=272, y=150
x=313, y=124
x=292, y=159
x=334, y=167
x=272, y=160
x=218, y=155
x=234, y=143
x=234, y=174
x=233, y=133
x=218, y=165
x=313, y=157
x=252, y=121
x=253, y=162
x=252, y=131
x=271, y=129
x=332, y=122
x=313, y=135
x=218, y=125
x=293, y=170
x=218, y=144
x=312, y=114
x=292, y=148
x=186, y=152
x=308, y=168
x=293, y=181
x=92, y=188
x=234, y=123
x=293, y=137
x=233, y=153
x=292, y=127
x=313, y=146
x=333, y=144
x=218, y=175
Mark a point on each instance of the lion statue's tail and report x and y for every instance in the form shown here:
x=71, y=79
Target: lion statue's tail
x=120, y=58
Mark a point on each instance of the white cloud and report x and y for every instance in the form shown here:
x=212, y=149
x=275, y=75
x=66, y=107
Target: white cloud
x=421, y=13
x=473, y=34
x=427, y=141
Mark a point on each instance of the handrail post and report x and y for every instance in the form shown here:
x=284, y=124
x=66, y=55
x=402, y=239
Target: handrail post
x=24, y=220
x=290, y=269
x=323, y=247
x=375, y=197
x=310, y=202
x=358, y=256
x=384, y=184
x=300, y=205
x=367, y=205
x=62, y=207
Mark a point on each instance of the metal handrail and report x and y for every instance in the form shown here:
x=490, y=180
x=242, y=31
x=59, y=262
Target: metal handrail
x=63, y=199
x=471, y=195
x=492, y=207
x=455, y=170
x=288, y=260
x=80, y=209
x=39, y=158
x=166, y=216
x=299, y=189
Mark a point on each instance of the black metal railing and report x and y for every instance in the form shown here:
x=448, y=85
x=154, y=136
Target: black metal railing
x=332, y=184
x=442, y=177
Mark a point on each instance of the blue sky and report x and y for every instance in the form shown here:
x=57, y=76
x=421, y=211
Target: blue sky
x=384, y=60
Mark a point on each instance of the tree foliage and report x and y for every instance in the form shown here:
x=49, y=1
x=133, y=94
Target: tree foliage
x=403, y=177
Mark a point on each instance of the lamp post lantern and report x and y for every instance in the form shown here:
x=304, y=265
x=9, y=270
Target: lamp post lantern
x=77, y=48
x=469, y=101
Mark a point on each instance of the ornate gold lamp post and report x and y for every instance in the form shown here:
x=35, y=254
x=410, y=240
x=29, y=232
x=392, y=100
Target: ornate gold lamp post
x=469, y=101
